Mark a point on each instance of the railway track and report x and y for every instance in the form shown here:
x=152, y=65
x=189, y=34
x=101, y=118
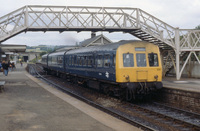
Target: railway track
x=119, y=116
x=153, y=116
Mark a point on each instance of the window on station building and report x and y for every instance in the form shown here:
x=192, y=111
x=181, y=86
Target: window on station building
x=153, y=59
x=141, y=60
x=107, y=61
x=128, y=60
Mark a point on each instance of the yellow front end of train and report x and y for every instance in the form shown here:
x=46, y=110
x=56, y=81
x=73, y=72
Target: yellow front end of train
x=138, y=62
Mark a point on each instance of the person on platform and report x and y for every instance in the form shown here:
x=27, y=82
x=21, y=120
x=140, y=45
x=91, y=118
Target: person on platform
x=0, y=65
x=5, y=67
x=13, y=65
x=9, y=65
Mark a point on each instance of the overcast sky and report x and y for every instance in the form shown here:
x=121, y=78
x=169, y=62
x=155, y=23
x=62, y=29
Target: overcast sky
x=177, y=13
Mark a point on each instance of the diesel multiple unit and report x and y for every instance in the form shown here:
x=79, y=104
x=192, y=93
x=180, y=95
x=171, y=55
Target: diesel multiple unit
x=126, y=69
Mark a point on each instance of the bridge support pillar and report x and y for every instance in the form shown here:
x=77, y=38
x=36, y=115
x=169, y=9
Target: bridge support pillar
x=177, y=42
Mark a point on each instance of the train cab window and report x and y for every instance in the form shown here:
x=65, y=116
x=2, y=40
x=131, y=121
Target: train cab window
x=128, y=60
x=107, y=61
x=141, y=60
x=99, y=61
x=153, y=59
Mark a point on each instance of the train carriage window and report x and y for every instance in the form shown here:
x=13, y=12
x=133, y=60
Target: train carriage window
x=90, y=61
x=128, y=60
x=78, y=60
x=114, y=59
x=75, y=60
x=54, y=60
x=60, y=59
x=49, y=60
x=141, y=60
x=107, y=61
x=153, y=59
x=84, y=61
x=66, y=57
x=81, y=60
x=70, y=60
x=99, y=61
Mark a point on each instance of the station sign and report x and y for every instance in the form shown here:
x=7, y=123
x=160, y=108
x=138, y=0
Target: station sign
x=9, y=53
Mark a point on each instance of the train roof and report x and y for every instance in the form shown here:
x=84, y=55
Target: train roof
x=57, y=53
x=107, y=47
x=44, y=55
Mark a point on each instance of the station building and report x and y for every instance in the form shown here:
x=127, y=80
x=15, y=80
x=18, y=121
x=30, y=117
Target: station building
x=16, y=53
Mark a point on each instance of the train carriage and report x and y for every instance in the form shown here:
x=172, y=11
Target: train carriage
x=55, y=62
x=44, y=61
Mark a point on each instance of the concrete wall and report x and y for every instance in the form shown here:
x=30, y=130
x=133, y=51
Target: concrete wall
x=31, y=55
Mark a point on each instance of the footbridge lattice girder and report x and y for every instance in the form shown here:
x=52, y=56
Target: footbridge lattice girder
x=75, y=18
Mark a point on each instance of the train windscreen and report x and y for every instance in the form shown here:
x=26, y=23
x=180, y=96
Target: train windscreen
x=141, y=60
x=153, y=59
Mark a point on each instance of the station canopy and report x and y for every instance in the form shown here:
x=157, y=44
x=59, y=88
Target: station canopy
x=9, y=49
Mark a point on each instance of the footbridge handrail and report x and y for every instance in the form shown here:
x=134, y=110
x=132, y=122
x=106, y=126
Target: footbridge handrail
x=62, y=18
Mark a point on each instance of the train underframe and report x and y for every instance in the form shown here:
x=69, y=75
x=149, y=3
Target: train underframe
x=129, y=91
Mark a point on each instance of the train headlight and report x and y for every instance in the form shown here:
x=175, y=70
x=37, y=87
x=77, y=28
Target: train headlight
x=156, y=77
x=127, y=77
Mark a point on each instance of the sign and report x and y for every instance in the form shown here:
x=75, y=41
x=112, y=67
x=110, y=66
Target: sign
x=9, y=53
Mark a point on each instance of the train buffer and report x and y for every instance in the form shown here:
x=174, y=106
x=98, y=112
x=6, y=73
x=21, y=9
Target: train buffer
x=2, y=83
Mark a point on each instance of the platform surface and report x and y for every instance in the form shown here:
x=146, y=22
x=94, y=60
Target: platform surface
x=187, y=84
x=27, y=106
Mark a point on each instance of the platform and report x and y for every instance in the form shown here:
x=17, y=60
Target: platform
x=27, y=104
x=187, y=84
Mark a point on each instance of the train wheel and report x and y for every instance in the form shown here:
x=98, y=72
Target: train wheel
x=130, y=94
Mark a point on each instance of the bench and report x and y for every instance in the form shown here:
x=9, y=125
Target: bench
x=2, y=83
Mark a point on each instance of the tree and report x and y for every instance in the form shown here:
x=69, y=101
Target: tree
x=198, y=27
x=43, y=53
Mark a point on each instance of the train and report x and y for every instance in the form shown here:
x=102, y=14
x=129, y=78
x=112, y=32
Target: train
x=127, y=69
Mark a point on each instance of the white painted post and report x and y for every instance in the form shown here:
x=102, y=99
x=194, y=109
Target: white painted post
x=26, y=17
x=177, y=44
x=138, y=18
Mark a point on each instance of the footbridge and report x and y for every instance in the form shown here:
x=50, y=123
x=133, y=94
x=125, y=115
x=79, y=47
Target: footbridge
x=175, y=44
